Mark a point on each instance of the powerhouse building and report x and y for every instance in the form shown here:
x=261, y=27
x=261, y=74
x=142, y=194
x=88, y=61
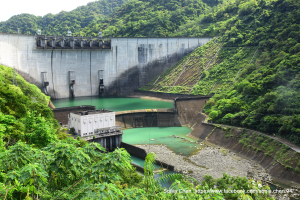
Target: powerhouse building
x=97, y=125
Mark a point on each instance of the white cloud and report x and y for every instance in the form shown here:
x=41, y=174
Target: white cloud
x=10, y=8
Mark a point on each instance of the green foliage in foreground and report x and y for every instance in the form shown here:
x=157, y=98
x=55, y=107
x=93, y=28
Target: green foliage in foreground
x=67, y=171
x=20, y=117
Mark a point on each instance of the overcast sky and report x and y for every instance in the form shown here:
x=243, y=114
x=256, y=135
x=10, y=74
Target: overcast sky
x=10, y=8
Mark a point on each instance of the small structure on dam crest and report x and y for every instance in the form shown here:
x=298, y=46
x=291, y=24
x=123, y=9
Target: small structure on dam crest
x=97, y=126
x=71, y=42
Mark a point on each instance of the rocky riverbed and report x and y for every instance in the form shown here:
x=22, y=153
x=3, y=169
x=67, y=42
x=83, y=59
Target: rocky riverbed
x=211, y=161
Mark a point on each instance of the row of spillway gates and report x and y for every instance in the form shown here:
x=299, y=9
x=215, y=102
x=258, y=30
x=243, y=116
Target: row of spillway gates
x=71, y=42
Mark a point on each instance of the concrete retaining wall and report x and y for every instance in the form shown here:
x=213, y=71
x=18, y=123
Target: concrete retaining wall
x=189, y=110
x=141, y=153
x=147, y=119
x=130, y=64
x=134, y=151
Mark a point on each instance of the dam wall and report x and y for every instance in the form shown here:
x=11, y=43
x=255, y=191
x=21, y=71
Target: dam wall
x=129, y=64
x=147, y=118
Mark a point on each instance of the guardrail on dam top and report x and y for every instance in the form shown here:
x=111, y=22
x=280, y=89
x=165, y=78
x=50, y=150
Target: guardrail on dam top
x=83, y=66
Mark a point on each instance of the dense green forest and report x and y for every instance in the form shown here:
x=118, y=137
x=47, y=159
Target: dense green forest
x=255, y=75
x=38, y=160
x=146, y=18
x=60, y=23
x=115, y=18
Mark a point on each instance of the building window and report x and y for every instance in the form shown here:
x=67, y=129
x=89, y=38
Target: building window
x=79, y=132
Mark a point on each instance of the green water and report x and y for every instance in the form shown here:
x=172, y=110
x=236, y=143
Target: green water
x=114, y=104
x=141, y=162
x=163, y=135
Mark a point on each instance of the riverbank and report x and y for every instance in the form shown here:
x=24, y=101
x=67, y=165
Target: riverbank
x=210, y=160
x=214, y=161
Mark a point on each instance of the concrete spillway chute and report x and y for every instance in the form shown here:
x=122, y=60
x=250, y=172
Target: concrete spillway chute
x=71, y=83
x=45, y=82
x=101, y=82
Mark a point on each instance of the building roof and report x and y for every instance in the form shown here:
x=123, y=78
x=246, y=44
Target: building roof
x=92, y=112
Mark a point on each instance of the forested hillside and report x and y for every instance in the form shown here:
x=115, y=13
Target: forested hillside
x=256, y=72
x=146, y=18
x=133, y=18
x=60, y=23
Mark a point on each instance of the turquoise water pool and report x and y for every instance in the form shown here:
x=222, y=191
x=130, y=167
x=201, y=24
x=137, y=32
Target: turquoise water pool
x=114, y=104
x=163, y=135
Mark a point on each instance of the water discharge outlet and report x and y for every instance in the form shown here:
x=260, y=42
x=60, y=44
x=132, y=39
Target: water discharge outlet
x=45, y=82
x=101, y=82
x=71, y=83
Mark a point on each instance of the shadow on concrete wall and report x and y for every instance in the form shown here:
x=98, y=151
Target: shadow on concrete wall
x=140, y=75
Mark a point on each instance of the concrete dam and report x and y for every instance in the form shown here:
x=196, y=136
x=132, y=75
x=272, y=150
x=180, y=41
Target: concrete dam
x=84, y=66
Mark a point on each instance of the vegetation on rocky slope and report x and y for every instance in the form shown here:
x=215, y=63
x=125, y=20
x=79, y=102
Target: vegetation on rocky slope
x=265, y=94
